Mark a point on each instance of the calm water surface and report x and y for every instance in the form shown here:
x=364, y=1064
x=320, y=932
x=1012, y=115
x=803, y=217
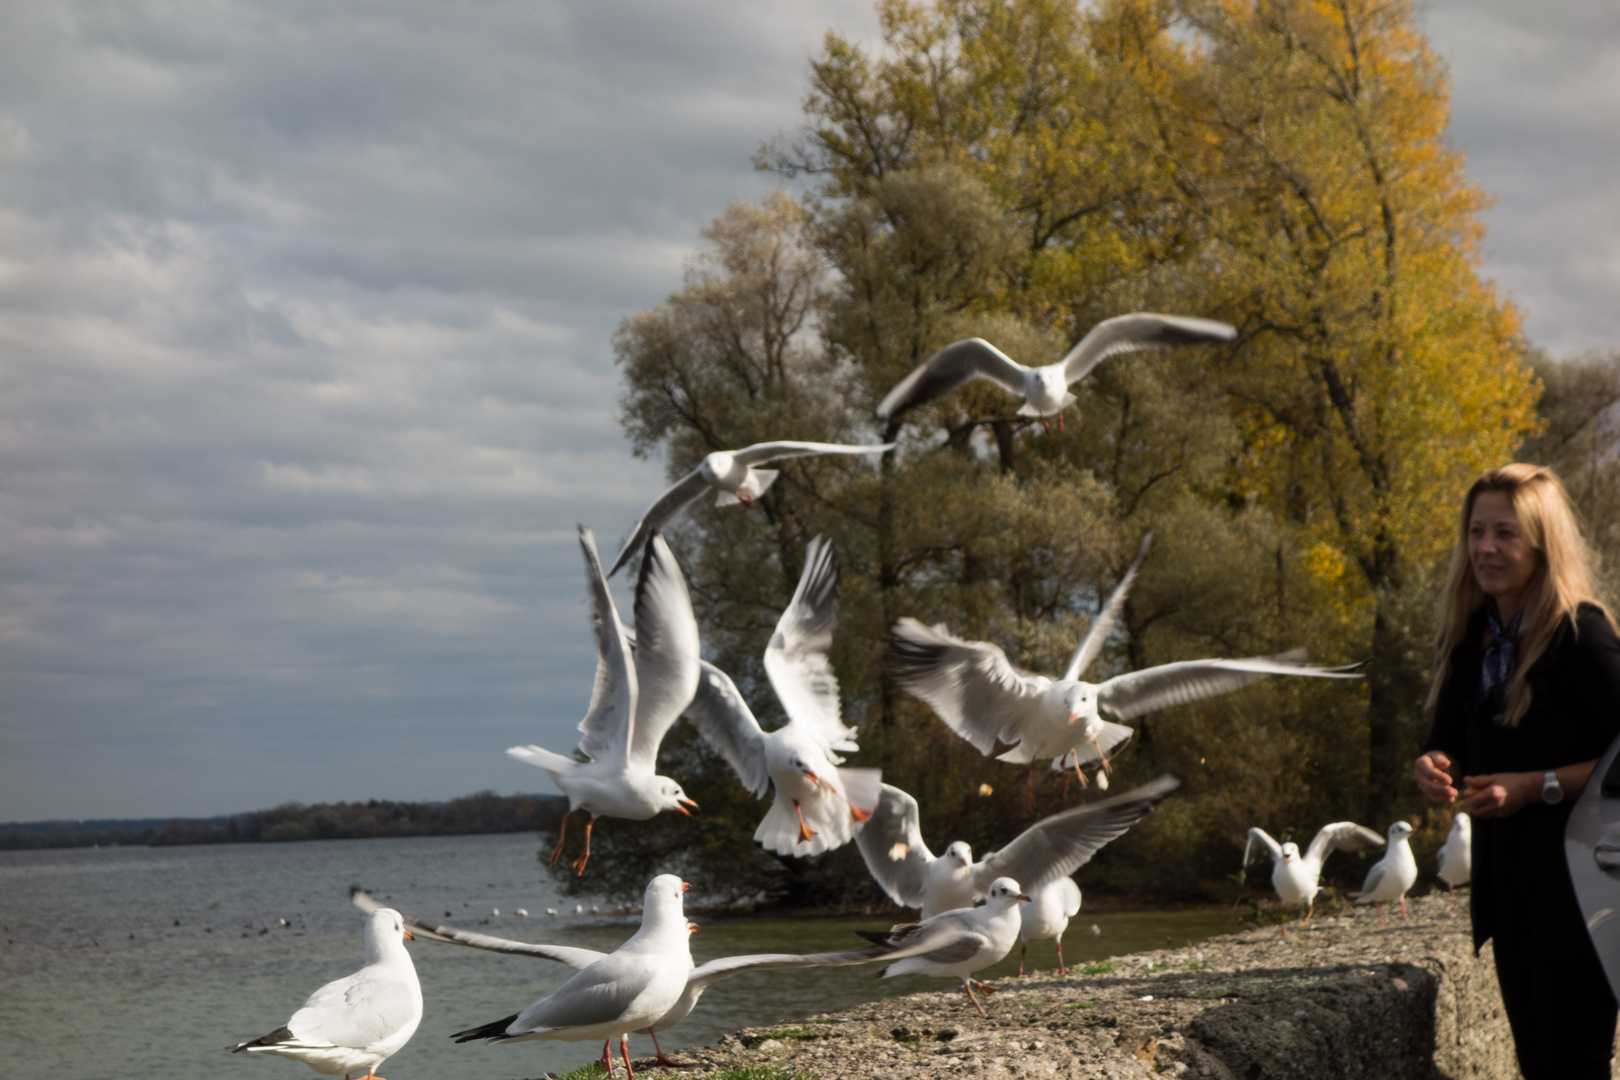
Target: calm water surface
x=141, y=963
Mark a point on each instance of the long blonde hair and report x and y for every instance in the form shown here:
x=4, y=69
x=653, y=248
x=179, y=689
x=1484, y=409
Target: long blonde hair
x=1562, y=580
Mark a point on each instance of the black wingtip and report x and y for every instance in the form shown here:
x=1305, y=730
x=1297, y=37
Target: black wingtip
x=876, y=937
x=487, y=1031
x=275, y=1038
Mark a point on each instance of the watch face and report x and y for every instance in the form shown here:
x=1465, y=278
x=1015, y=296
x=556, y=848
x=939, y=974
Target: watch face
x=1552, y=792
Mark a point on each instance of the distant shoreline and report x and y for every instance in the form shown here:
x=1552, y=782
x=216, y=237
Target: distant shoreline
x=483, y=812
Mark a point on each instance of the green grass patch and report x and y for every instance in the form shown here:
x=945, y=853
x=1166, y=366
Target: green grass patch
x=1101, y=967
x=585, y=1072
x=1079, y=1005
x=761, y=1072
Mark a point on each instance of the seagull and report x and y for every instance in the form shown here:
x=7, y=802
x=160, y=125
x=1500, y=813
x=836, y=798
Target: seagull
x=1456, y=855
x=627, y=990
x=1052, y=848
x=1045, y=390
x=1392, y=875
x=817, y=804
x=633, y=703
x=1296, y=877
x=1047, y=915
x=735, y=479
x=699, y=979
x=360, y=1021
x=955, y=944
x=984, y=699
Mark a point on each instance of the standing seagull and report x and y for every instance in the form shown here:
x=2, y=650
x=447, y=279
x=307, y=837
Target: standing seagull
x=1047, y=915
x=627, y=990
x=733, y=476
x=1392, y=875
x=633, y=703
x=1456, y=856
x=1048, y=850
x=1297, y=878
x=360, y=1021
x=1045, y=390
x=958, y=943
x=817, y=804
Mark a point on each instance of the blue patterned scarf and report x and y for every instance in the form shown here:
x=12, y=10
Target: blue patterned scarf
x=1496, y=671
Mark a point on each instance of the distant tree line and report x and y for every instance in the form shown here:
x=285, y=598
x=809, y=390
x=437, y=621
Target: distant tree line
x=484, y=812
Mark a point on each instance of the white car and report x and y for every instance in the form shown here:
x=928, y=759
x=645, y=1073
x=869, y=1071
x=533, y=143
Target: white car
x=1592, y=846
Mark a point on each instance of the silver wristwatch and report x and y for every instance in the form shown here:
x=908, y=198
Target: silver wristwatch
x=1552, y=792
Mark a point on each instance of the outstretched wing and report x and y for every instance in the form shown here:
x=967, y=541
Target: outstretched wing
x=1103, y=624
x=666, y=653
x=1155, y=688
x=562, y=954
x=760, y=453
x=949, y=368
x=1260, y=848
x=1059, y=845
x=661, y=513
x=727, y=966
x=609, y=722
x=970, y=684
x=892, y=845
x=1342, y=836
x=1128, y=333
x=725, y=722
x=796, y=658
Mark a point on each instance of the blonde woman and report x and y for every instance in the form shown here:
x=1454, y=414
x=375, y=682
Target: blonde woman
x=1526, y=697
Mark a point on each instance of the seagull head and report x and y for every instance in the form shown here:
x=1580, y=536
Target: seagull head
x=1399, y=831
x=385, y=934
x=1462, y=825
x=661, y=904
x=961, y=852
x=809, y=774
x=1290, y=852
x=1081, y=701
x=671, y=797
x=1004, y=892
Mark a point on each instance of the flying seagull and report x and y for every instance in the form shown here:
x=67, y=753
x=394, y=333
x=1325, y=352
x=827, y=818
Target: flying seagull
x=635, y=700
x=735, y=479
x=360, y=1021
x=1052, y=848
x=1045, y=390
x=1297, y=877
x=817, y=804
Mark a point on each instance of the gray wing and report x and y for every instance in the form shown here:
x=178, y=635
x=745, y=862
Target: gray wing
x=891, y=843
x=796, y=657
x=562, y=954
x=356, y=1011
x=955, y=364
x=1128, y=333
x=1103, y=624
x=726, y=967
x=1343, y=836
x=664, y=510
x=1155, y=688
x=610, y=720
x=596, y=995
x=725, y=722
x=666, y=653
x=1260, y=848
x=760, y=453
x=1374, y=876
x=1059, y=845
x=970, y=684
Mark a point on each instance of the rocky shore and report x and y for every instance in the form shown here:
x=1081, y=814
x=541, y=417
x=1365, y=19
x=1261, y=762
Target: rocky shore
x=1342, y=998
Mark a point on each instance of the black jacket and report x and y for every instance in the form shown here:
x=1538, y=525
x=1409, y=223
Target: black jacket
x=1519, y=871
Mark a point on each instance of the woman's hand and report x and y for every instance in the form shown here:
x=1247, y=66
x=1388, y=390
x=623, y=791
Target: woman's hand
x=1432, y=776
x=1502, y=794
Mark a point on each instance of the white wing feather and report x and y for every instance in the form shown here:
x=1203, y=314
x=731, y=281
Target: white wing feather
x=970, y=684
x=1128, y=333
x=796, y=657
x=955, y=364
x=1103, y=624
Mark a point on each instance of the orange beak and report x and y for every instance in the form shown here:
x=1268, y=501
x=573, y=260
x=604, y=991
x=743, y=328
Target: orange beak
x=685, y=885
x=691, y=928
x=1023, y=896
x=408, y=936
x=1073, y=717
x=810, y=776
x=688, y=802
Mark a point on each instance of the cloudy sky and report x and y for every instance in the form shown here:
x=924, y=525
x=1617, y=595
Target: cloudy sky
x=304, y=365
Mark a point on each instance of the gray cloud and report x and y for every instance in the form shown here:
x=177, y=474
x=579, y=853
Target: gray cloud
x=304, y=363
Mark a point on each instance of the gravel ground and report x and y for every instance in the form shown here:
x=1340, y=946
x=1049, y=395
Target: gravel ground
x=1406, y=999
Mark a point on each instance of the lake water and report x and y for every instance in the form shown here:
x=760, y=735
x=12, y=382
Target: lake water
x=140, y=963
